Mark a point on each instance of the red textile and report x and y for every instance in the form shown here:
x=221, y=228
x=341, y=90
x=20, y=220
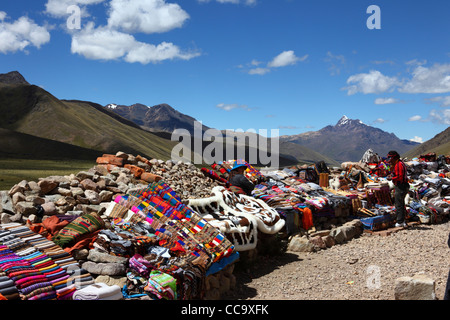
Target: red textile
x=307, y=219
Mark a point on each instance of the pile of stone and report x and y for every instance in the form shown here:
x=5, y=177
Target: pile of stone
x=184, y=178
x=326, y=238
x=93, y=190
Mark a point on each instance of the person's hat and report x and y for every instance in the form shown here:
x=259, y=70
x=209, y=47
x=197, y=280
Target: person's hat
x=393, y=155
x=238, y=164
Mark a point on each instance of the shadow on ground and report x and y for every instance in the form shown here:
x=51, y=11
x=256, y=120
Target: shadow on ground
x=261, y=267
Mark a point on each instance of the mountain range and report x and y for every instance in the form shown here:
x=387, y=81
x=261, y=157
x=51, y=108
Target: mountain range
x=29, y=109
x=348, y=139
x=32, y=117
x=158, y=118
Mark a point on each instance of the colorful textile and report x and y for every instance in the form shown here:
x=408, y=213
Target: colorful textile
x=162, y=285
x=213, y=175
x=72, y=232
x=239, y=217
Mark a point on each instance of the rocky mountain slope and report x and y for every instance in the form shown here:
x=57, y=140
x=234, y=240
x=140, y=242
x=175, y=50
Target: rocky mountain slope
x=158, y=118
x=440, y=144
x=349, y=139
x=29, y=109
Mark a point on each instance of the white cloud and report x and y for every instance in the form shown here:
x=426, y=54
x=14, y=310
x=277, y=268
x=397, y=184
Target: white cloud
x=147, y=16
x=443, y=101
x=146, y=53
x=284, y=59
x=435, y=79
x=229, y=107
x=435, y=116
x=336, y=62
x=415, y=118
x=416, y=62
x=103, y=43
x=246, y=2
x=387, y=101
x=417, y=139
x=20, y=34
x=372, y=82
x=379, y=120
x=383, y=62
x=58, y=8
x=259, y=71
x=440, y=116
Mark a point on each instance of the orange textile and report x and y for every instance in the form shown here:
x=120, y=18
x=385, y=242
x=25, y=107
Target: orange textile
x=53, y=224
x=307, y=219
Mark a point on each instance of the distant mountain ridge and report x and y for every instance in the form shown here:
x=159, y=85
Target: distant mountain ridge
x=440, y=144
x=29, y=109
x=161, y=117
x=164, y=119
x=146, y=130
x=348, y=139
x=13, y=77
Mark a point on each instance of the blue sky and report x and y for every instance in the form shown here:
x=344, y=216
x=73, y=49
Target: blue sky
x=292, y=65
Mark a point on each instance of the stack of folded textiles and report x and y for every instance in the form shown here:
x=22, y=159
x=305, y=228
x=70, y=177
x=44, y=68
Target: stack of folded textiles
x=30, y=281
x=99, y=291
x=38, y=267
x=7, y=287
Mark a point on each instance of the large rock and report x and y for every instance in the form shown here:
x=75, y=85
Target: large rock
x=88, y=184
x=102, y=257
x=49, y=208
x=26, y=208
x=418, y=287
x=109, y=269
x=112, y=280
x=6, y=202
x=47, y=185
x=92, y=196
x=318, y=242
x=338, y=235
x=106, y=196
x=300, y=244
x=84, y=175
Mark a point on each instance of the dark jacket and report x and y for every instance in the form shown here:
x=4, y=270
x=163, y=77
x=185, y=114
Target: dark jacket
x=239, y=180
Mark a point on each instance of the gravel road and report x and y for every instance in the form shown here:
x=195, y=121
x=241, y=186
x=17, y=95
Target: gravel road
x=364, y=268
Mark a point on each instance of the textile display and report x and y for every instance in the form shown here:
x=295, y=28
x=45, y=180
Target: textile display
x=239, y=217
x=82, y=225
x=99, y=291
x=39, y=268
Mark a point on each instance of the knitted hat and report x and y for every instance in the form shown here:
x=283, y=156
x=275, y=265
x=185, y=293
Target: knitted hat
x=238, y=164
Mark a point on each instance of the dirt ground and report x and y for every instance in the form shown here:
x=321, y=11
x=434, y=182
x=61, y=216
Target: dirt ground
x=364, y=268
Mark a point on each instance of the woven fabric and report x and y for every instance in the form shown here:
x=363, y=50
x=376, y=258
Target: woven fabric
x=85, y=224
x=178, y=227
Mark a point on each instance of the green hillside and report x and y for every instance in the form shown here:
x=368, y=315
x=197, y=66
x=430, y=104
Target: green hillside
x=19, y=145
x=440, y=144
x=30, y=109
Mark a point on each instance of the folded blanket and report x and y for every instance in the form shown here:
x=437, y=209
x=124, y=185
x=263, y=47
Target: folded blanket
x=98, y=291
x=83, y=225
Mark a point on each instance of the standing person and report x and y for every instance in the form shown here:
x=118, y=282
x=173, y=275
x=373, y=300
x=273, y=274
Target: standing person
x=237, y=179
x=400, y=180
